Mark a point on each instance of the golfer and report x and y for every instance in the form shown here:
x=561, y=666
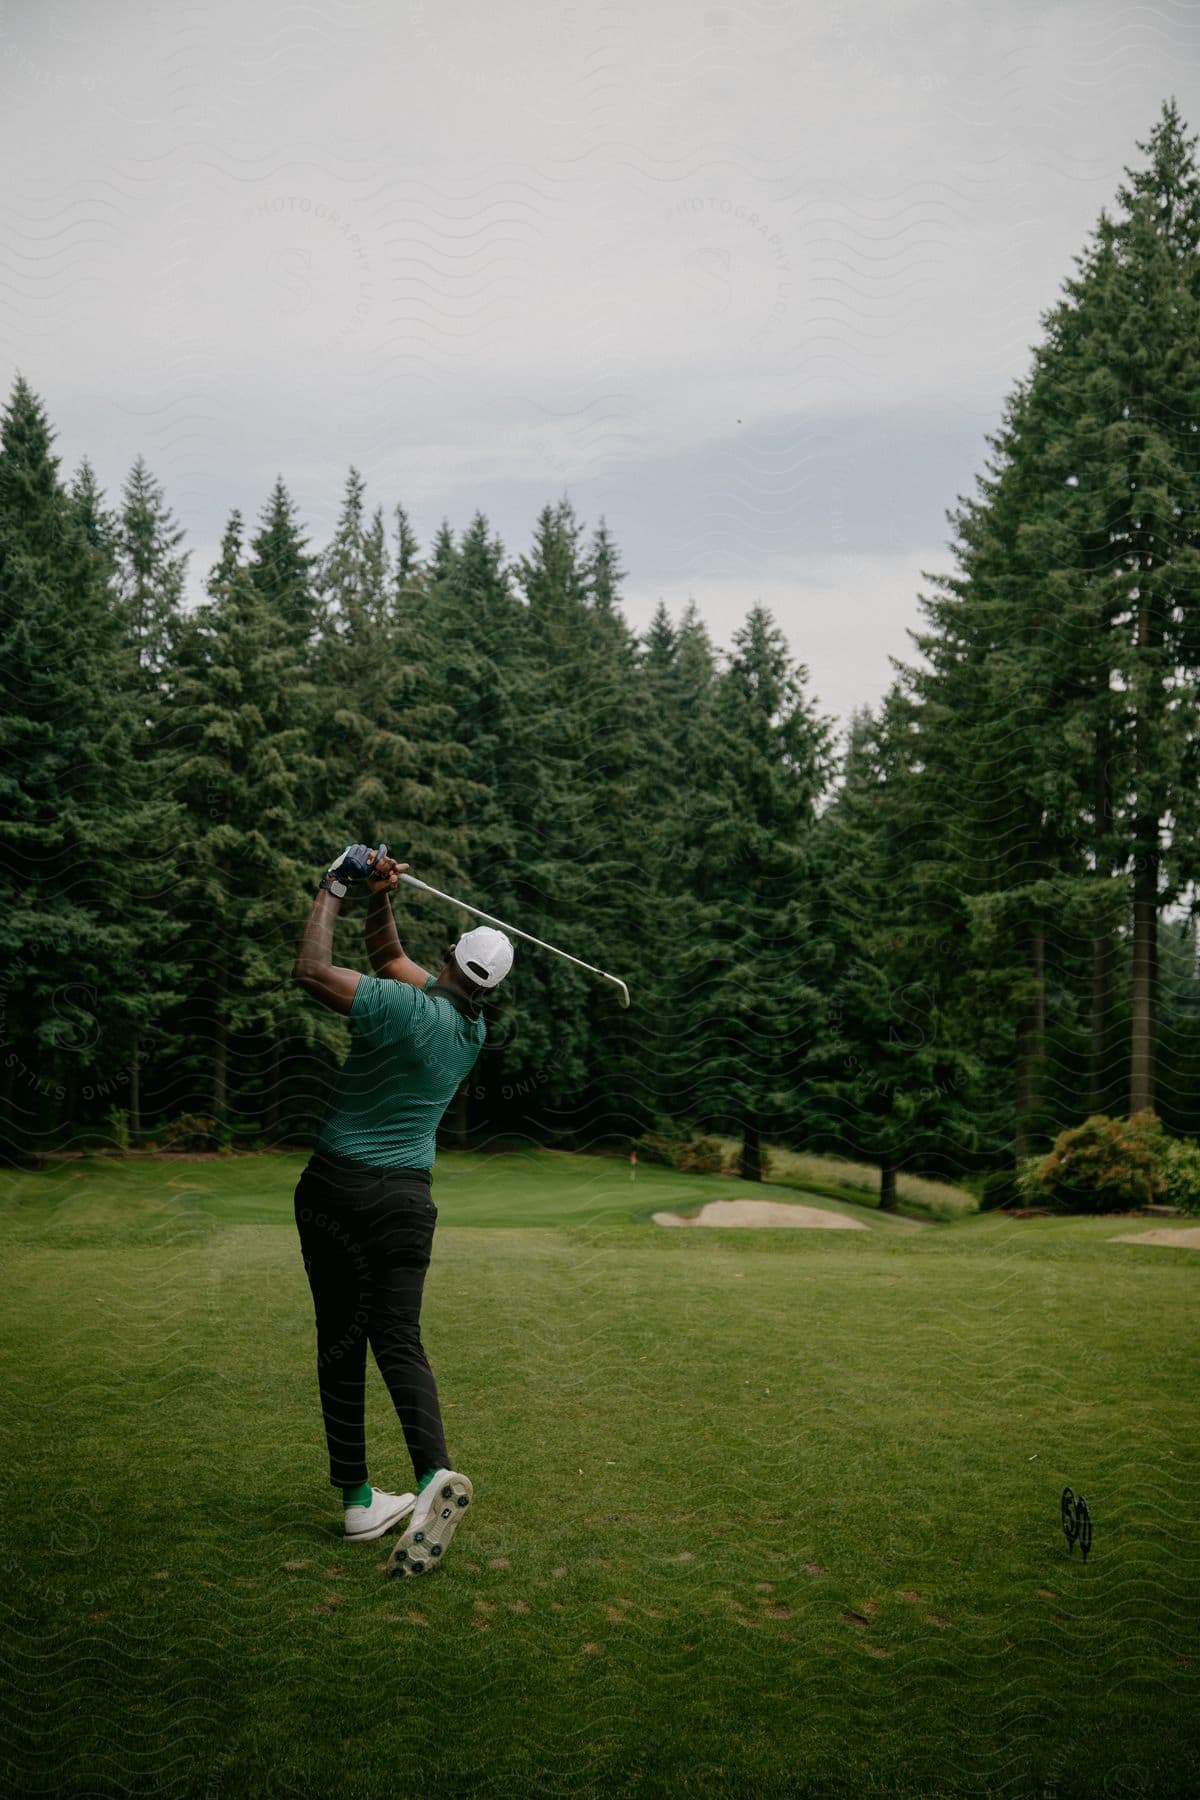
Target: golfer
x=364, y=1208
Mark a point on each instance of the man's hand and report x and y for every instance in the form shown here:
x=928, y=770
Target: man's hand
x=387, y=872
x=354, y=863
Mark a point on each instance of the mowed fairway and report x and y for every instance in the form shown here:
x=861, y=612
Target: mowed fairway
x=757, y=1512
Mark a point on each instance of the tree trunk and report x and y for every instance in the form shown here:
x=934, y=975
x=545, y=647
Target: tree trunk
x=8, y=1113
x=1103, y=947
x=1145, y=980
x=135, y=1093
x=70, y=1104
x=220, y=1072
x=887, y=1185
x=1031, y=1045
x=220, y=1081
x=1143, y=993
x=750, y=1168
x=1103, y=997
x=272, y=1111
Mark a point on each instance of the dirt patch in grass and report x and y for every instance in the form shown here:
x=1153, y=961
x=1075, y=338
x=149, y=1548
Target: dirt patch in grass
x=763, y=1213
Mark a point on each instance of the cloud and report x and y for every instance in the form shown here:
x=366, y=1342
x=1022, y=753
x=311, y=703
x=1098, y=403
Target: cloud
x=487, y=252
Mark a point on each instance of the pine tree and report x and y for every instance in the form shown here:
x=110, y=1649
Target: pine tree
x=892, y=1078
x=442, y=559
x=675, y=696
x=406, y=557
x=84, y=848
x=579, y=867
x=1144, y=360
x=243, y=761
x=995, y=708
x=150, y=571
x=387, y=756
x=282, y=568
x=475, y=669
x=1061, y=706
x=99, y=522
x=748, y=1005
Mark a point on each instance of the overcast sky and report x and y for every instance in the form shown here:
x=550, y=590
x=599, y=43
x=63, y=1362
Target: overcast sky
x=751, y=280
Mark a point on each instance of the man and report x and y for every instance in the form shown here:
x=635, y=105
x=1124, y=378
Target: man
x=364, y=1208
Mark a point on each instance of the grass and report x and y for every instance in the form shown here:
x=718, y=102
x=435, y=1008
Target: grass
x=837, y=1178
x=757, y=1513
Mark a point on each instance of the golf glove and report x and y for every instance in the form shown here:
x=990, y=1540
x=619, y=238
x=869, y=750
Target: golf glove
x=351, y=865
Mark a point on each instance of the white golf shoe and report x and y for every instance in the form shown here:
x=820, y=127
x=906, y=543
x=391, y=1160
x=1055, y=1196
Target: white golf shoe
x=440, y=1506
x=385, y=1511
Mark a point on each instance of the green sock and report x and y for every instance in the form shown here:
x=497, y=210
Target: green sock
x=425, y=1480
x=357, y=1496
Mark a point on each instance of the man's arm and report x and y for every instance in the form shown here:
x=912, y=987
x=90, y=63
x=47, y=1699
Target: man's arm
x=383, y=944
x=314, y=966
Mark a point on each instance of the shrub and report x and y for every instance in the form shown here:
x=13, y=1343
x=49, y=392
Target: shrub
x=1179, y=1166
x=657, y=1147
x=700, y=1156
x=999, y=1189
x=118, y=1124
x=191, y=1131
x=1030, y=1191
x=1103, y=1165
x=691, y=1156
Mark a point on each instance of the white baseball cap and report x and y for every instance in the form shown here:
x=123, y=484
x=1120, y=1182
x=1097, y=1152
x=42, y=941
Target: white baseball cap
x=484, y=955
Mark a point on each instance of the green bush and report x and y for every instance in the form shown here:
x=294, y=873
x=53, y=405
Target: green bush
x=1104, y=1165
x=1179, y=1166
x=700, y=1156
x=999, y=1189
x=191, y=1131
x=118, y=1124
x=692, y=1156
x=657, y=1147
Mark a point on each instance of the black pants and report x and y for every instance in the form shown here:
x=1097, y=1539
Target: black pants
x=366, y=1235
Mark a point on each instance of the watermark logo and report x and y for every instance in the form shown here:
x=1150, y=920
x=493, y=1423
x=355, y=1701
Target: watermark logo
x=733, y=263
x=313, y=269
x=73, y=1528
x=75, y=1010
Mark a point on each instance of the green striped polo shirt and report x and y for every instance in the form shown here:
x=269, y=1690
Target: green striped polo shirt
x=411, y=1049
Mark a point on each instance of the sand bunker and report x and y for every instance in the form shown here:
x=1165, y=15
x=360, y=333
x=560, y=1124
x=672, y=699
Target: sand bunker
x=764, y=1212
x=1186, y=1239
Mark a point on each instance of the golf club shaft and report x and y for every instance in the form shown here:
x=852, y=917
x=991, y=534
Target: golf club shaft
x=480, y=914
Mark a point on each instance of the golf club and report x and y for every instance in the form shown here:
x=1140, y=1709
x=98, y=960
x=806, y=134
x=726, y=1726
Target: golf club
x=480, y=914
